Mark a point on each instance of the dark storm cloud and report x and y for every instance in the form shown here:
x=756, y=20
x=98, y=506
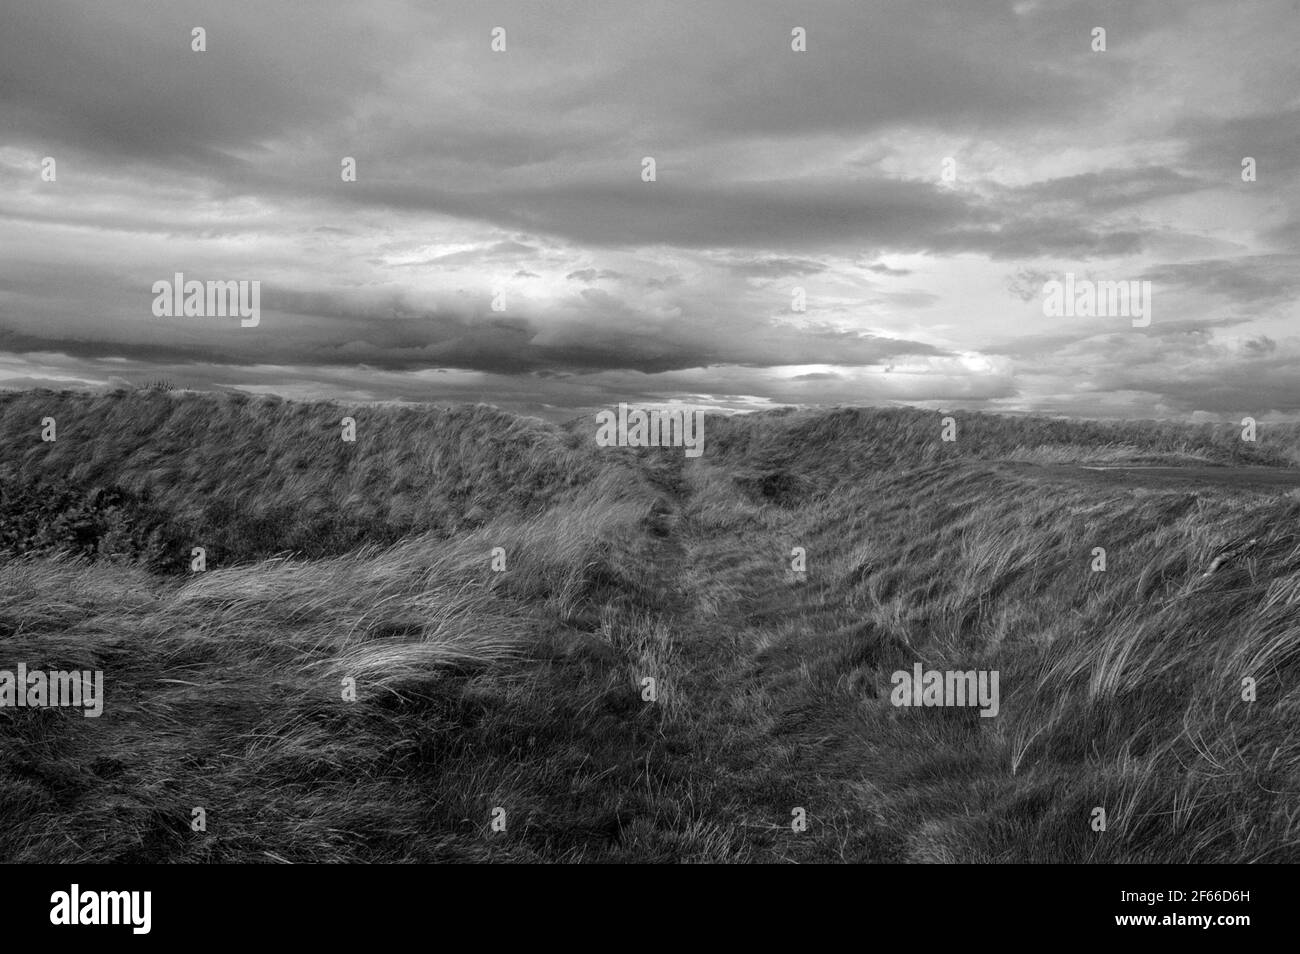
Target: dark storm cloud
x=1252, y=280
x=776, y=267
x=886, y=270
x=599, y=332
x=593, y=274
x=770, y=165
x=1216, y=148
x=121, y=80
x=15, y=342
x=1099, y=192
x=681, y=211
x=1038, y=238
x=1194, y=374
x=130, y=86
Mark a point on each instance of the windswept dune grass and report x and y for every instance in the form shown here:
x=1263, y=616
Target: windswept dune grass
x=247, y=478
x=226, y=693
x=1120, y=690
x=648, y=679
x=827, y=445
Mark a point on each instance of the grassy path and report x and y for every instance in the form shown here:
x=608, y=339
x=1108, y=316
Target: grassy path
x=224, y=688
x=746, y=714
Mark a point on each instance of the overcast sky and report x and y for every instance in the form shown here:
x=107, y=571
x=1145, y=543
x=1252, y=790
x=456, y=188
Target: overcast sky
x=519, y=173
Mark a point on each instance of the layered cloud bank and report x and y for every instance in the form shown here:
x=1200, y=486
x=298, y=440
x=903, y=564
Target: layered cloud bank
x=871, y=219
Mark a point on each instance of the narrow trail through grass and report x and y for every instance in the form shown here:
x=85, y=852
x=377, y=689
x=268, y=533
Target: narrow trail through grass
x=519, y=693
x=744, y=711
x=782, y=672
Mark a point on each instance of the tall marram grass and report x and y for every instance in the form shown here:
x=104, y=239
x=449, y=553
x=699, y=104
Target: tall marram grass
x=248, y=478
x=1121, y=689
x=335, y=566
x=817, y=448
x=228, y=691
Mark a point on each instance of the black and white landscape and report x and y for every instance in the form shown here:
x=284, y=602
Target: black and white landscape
x=650, y=431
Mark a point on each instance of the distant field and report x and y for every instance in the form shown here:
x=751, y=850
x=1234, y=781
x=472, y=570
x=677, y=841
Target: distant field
x=519, y=694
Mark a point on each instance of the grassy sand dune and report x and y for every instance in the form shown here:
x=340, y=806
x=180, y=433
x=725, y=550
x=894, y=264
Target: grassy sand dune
x=648, y=678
